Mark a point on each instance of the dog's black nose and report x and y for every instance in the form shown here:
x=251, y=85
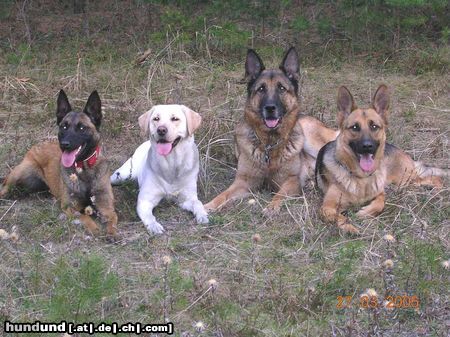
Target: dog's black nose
x=367, y=145
x=270, y=108
x=64, y=145
x=162, y=130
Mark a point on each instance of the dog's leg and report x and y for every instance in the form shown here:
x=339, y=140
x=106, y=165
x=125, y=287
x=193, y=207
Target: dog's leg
x=290, y=187
x=429, y=176
x=89, y=223
x=104, y=202
x=24, y=174
x=375, y=207
x=133, y=166
x=145, y=204
x=333, y=203
x=190, y=202
x=238, y=189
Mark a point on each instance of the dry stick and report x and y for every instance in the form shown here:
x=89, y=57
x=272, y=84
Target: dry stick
x=8, y=210
x=193, y=303
x=25, y=21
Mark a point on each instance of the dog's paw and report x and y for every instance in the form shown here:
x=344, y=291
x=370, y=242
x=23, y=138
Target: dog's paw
x=210, y=207
x=155, y=228
x=113, y=237
x=349, y=228
x=271, y=211
x=368, y=212
x=116, y=178
x=202, y=218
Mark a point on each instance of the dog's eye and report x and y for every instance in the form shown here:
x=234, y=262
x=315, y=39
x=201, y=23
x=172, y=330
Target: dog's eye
x=261, y=89
x=355, y=127
x=80, y=127
x=174, y=119
x=374, y=127
x=65, y=126
x=282, y=89
x=156, y=119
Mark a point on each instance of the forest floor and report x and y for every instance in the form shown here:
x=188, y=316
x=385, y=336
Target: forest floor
x=279, y=276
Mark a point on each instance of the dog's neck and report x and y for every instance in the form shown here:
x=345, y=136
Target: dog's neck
x=89, y=161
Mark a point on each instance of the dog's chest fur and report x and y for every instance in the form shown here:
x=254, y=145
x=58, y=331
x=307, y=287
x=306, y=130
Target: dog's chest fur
x=83, y=184
x=175, y=170
x=274, y=157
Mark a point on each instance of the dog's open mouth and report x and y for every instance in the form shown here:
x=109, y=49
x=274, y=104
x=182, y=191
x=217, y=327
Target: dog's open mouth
x=366, y=162
x=163, y=147
x=272, y=123
x=68, y=157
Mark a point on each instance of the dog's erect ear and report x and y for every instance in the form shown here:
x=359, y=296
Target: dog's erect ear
x=93, y=108
x=143, y=121
x=253, y=66
x=62, y=106
x=290, y=65
x=345, y=104
x=193, y=120
x=380, y=101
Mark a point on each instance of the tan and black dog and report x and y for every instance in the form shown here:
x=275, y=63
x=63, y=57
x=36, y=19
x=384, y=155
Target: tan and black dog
x=274, y=144
x=356, y=167
x=71, y=169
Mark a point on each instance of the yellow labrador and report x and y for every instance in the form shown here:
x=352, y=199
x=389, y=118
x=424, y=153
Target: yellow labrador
x=167, y=164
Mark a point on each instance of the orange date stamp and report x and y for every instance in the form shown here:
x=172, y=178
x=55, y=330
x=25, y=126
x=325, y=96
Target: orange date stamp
x=371, y=302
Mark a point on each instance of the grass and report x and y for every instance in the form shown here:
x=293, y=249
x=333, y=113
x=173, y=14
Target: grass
x=275, y=277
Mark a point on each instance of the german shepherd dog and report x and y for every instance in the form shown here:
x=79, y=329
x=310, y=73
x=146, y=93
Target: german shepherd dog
x=272, y=140
x=356, y=167
x=72, y=169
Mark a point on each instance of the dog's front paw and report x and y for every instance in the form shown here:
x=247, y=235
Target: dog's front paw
x=116, y=178
x=271, y=210
x=349, y=228
x=210, y=206
x=202, y=218
x=154, y=228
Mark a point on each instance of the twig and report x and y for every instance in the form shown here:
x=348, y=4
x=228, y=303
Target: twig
x=8, y=210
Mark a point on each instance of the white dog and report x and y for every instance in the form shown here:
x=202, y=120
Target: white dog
x=167, y=164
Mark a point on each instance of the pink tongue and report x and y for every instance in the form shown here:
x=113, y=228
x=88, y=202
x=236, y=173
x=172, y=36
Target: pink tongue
x=271, y=123
x=68, y=157
x=163, y=148
x=367, y=163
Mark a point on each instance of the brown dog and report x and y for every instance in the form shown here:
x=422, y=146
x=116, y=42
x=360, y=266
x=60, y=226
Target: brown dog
x=359, y=164
x=72, y=170
x=270, y=141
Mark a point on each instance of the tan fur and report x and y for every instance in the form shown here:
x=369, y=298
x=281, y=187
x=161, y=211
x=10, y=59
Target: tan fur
x=289, y=162
x=71, y=186
x=338, y=172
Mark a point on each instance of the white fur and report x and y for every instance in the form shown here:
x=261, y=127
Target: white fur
x=158, y=176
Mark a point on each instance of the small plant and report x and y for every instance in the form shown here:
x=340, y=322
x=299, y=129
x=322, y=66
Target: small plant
x=79, y=288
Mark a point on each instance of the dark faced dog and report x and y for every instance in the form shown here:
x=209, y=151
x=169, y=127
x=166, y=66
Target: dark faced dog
x=270, y=140
x=71, y=169
x=359, y=164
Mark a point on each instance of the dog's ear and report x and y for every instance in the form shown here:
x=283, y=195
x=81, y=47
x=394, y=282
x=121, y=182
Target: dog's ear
x=193, y=119
x=93, y=108
x=253, y=66
x=143, y=121
x=380, y=101
x=62, y=106
x=290, y=64
x=345, y=103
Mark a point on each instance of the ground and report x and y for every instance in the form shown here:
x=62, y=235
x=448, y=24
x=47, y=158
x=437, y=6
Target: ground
x=279, y=276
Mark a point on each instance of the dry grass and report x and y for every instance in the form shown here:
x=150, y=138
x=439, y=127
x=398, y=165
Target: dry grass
x=275, y=277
